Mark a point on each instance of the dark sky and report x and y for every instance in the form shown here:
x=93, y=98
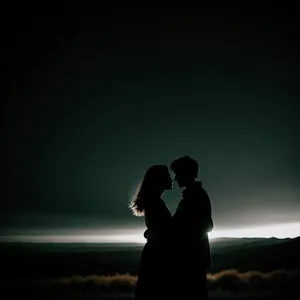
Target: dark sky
x=96, y=95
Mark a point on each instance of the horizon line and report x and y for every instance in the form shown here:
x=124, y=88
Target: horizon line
x=65, y=239
x=135, y=236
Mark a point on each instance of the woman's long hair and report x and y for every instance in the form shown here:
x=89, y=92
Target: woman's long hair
x=151, y=184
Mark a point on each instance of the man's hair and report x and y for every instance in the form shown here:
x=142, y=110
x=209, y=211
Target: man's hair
x=185, y=165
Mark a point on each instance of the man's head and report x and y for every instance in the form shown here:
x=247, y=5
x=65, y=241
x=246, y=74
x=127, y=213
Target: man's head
x=185, y=169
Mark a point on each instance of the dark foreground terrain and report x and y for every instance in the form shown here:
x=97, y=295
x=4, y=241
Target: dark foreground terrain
x=251, y=268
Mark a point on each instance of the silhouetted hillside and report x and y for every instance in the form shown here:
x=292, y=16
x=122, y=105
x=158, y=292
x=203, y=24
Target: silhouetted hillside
x=229, y=244
x=59, y=260
x=260, y=255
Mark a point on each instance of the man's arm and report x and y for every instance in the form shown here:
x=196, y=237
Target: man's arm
x=193, y=218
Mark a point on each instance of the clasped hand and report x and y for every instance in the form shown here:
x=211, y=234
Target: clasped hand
x=150, y=236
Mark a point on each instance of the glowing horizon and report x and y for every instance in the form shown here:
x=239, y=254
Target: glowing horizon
x=289, y=230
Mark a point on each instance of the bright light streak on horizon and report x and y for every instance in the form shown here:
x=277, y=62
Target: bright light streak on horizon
x=290, y=230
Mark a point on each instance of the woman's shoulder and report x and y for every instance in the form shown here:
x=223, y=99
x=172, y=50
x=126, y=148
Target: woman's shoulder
x=157, y=207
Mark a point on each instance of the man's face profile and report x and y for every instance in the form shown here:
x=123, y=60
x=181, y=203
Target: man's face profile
x=181, y=179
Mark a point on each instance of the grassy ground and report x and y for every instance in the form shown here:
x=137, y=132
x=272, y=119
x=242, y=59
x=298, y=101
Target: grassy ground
x=50, y=290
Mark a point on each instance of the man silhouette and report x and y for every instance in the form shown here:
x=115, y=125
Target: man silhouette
x=193, y=221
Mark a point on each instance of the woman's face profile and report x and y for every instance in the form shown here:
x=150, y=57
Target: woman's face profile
x=168, y=181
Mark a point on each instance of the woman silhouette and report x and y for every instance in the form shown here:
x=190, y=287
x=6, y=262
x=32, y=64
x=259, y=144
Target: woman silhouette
x=155, y=264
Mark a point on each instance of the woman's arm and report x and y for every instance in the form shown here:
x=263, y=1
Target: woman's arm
x=160, y=222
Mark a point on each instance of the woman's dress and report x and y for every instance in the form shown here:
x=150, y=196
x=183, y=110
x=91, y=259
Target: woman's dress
x=155, y=270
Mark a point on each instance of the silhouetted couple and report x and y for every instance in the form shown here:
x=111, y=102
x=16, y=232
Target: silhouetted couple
x=176, y=256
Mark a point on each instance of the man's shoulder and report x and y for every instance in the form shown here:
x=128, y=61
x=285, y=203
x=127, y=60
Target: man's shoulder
x=195, y=190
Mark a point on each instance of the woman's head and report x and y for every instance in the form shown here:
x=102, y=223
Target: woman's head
x=156, y=180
